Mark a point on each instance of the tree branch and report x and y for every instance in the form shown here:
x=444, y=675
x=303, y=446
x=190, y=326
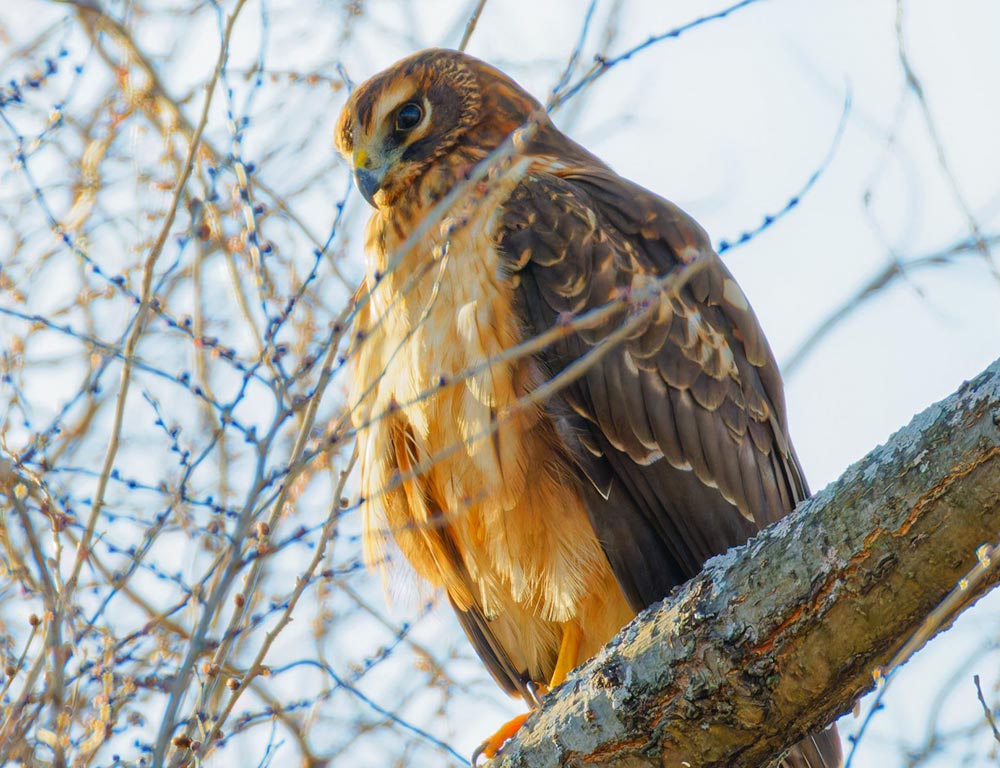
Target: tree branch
x=775, y=639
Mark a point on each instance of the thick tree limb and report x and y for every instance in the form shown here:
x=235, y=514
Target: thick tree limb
x=777, y=638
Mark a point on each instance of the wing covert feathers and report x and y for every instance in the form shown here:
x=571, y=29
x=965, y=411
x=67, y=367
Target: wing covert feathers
x=683, y=404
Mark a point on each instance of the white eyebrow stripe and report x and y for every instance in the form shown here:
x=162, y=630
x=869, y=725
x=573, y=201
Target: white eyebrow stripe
x=389, y=101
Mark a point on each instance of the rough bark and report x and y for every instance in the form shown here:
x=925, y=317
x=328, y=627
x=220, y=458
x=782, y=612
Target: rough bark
x=775, y=639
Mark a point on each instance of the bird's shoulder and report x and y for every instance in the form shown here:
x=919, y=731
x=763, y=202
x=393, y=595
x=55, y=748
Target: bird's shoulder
x=663, y=354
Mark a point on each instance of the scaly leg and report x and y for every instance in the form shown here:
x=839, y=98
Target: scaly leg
x=568, y=658
x=569, y=653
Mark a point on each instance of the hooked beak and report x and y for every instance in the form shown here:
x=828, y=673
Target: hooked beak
x=368, y=179
x=368, y=183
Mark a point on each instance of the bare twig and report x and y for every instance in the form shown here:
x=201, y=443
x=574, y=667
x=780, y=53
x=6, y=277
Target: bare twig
x=874, y=287
x=982, y=246
x=987, y=712
x=470, y=25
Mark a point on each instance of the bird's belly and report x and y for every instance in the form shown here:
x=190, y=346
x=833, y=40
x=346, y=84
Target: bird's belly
x=491, y=511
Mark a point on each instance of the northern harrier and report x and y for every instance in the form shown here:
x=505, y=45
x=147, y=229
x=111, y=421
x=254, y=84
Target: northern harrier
x=564, y=401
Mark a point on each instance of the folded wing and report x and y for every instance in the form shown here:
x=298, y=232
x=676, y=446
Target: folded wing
x=672, y=407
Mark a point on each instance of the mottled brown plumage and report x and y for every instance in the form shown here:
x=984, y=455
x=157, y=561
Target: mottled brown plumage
x=548, y=517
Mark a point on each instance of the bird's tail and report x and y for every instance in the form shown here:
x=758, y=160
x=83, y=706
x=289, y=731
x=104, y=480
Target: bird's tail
x=821, y=750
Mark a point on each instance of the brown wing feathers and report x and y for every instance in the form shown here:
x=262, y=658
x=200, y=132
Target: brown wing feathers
x=682, y=428
x=696, y=385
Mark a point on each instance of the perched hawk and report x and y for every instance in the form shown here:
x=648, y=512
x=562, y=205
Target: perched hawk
x=564, y=402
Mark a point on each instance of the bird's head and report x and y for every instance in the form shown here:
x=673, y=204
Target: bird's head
x=400, y=123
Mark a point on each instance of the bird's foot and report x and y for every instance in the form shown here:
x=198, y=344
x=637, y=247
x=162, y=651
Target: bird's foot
x=489, y=748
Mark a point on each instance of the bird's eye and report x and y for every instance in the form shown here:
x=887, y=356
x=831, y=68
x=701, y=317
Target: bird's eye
x=409, y=116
